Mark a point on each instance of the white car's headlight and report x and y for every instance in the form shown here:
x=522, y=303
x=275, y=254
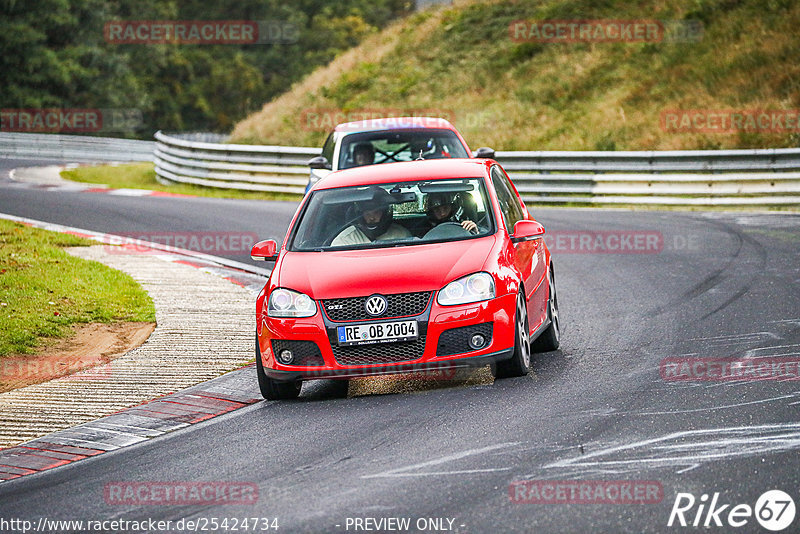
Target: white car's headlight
x=288, y=303
x=473, y=288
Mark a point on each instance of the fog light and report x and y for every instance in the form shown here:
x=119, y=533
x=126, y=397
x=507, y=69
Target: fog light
x=477, y=341
x=285, y=357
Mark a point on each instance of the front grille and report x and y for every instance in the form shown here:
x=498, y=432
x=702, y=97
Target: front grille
x=305, y=352
x=399, y=305
x=380, y=352
x=456, y=340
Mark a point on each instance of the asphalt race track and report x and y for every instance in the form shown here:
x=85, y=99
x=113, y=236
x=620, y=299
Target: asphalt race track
x=714, y=284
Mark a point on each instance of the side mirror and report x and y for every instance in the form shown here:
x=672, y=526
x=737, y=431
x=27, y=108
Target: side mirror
x=527, y=230
x=485, y=152
x=319, y=162
x=264, y=250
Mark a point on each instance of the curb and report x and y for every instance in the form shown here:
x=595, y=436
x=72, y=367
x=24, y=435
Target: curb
x=211, y=398
x=133, y=425
x=56, y=183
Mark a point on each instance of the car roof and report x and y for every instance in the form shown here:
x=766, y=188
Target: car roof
x=406, y=171
x=393, y=123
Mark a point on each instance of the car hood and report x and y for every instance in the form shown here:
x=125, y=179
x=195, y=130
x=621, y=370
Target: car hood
x=407, y=269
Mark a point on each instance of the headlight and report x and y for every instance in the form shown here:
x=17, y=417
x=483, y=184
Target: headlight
x=288, y=303
x=473, y=288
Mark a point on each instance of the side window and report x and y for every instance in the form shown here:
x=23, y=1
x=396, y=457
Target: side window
x=509, y=205
x=327, y=149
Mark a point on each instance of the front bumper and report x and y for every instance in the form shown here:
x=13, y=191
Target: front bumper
x=442, y=344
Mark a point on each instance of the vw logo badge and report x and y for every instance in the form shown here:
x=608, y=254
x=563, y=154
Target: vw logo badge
x=376, y=305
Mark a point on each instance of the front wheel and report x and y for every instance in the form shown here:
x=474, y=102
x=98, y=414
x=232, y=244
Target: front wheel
x=274, y=389
x=520, y=363
x=550, y=339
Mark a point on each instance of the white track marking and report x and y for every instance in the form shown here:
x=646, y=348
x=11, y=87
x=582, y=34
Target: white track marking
x=402, y=471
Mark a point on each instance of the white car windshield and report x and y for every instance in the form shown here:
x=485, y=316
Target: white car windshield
x=391, y=146
x=395, y=214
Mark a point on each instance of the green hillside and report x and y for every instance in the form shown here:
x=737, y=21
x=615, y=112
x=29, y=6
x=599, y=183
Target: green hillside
x=462, y=63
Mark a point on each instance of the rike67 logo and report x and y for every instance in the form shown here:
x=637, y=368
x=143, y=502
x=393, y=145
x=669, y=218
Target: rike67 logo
x=774, y=510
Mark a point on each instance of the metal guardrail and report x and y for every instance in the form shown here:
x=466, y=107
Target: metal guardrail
x=78, y=148
x=692, y=177
x=722, y=178
x=686, y=177
x=277, y=169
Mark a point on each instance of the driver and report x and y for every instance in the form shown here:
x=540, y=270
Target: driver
x=441, y=208
x=419, y=148
x=374, y=222
x=363, y=154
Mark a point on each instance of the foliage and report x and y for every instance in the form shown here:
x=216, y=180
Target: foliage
x=53, y=54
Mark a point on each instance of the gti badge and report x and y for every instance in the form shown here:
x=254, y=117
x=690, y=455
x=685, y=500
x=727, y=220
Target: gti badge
x=376, y=305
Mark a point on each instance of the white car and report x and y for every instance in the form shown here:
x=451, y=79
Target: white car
x=388, y=140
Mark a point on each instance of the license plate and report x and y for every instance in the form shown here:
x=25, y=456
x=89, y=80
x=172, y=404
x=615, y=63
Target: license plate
x=365, y=334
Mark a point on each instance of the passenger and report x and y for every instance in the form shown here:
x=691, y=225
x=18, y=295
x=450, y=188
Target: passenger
x=375, y=222
x=441, y=208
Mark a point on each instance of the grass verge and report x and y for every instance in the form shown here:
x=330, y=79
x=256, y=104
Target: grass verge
x=143, y=176
x=44, y=290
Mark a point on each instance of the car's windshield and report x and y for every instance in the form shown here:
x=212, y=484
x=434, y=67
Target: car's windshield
x=369, y=148
x=396, y=214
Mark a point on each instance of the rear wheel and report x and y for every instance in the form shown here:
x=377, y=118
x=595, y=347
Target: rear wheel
x=550, y=339
x=520, y=363
x=274, y=389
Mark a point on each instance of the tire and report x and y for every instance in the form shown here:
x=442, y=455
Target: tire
x=520, y=363
x=550, y=339
x=274, y=389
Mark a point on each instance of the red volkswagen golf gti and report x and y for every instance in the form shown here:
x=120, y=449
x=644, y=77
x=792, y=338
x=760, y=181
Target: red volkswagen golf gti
x=405, y=266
